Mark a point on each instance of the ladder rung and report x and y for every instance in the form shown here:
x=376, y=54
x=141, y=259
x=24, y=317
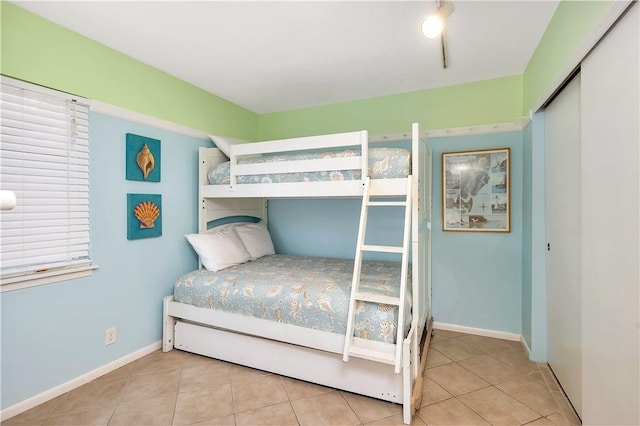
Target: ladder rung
x=381, y=352
x=386, y=357
x=378, y=298
x=387, y=203
x=384, y=249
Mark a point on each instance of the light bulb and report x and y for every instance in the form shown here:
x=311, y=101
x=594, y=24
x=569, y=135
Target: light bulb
x=432, y=26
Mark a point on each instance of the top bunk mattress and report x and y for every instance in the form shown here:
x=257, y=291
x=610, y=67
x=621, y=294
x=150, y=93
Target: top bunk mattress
x=304, y=291
x=384, y=163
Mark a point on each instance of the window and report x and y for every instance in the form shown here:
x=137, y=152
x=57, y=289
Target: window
x=44, y=161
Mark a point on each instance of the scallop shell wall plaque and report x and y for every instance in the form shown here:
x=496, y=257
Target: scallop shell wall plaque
x=143, y=158
x=146, y=212
x=144, y=216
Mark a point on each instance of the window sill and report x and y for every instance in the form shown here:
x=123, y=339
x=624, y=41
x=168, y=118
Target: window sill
x=46, y=277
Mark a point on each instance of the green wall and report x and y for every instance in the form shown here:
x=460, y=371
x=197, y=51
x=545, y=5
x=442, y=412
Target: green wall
x=483, y=102
x=571, y=23
x=41, y=52
x=44, y=53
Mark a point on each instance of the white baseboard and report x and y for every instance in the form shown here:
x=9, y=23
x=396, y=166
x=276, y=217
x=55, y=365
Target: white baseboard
x=478, y=331
x=526, y=347
x=48, y=395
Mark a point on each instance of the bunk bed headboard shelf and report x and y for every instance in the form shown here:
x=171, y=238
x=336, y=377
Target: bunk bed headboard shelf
x=335, y=166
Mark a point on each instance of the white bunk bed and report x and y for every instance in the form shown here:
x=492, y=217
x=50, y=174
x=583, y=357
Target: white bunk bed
x=290, y=350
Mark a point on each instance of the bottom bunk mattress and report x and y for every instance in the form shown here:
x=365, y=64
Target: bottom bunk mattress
x=305, y=291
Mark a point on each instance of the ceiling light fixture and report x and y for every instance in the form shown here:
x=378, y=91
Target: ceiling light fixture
x=434, y=25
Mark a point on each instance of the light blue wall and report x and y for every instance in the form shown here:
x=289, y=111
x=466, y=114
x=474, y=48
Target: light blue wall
x=54, y=333
x=538, y=343
x=329, y=227
x=534, y=285
x=527, y=184
x=477, y=277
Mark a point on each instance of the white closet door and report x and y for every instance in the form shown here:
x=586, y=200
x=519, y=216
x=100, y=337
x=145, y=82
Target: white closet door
x=563, y=216
x=610, y=227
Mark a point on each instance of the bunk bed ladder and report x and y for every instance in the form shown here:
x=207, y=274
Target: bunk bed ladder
x=363, y=348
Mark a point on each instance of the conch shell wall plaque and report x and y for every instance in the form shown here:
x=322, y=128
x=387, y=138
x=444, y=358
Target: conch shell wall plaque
x=145, y=161
x=144, y=216
x=143, y=158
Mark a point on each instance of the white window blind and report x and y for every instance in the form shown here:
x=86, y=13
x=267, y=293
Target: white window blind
x=44, y=160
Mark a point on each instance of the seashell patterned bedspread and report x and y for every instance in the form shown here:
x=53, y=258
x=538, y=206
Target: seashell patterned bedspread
x=306, y=291
x=384, y=163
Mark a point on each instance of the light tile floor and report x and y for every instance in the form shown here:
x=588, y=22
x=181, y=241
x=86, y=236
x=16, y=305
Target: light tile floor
x=469, y=380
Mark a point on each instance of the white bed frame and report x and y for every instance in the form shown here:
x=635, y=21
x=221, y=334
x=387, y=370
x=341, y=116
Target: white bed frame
x=301, y=353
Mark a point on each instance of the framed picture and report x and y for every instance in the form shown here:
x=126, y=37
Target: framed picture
x=476, y=191
x=144, y=216
x=143, y=158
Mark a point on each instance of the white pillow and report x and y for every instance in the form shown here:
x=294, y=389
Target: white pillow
x=219, y=249
x=224, y=143
x=256, y=239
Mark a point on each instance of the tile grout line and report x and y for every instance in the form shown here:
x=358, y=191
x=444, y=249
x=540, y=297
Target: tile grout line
x=541, y=368
x=290, y=401
x=494, y=385
x=562, y=395
x=175, y=403
x=472, y=410
x=129, y=375
x=351, y=408
x=64, y=396
x=50, y=413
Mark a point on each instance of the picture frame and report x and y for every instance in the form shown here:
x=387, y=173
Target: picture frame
x=143, y=158
x=144, y=216
x=476, y=191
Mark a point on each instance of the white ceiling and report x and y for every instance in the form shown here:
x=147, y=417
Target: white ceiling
x=275, y=56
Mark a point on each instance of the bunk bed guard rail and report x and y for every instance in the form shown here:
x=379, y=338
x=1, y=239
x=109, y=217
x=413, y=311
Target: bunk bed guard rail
x=338, y=140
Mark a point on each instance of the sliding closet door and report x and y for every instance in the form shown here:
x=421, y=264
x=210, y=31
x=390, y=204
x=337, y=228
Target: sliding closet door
x=610, y=227
x=563, y=216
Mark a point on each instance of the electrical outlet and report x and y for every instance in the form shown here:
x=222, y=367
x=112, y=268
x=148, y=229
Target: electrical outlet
x=110, y=336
